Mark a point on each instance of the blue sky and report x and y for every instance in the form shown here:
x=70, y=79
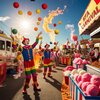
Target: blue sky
x=72, y=15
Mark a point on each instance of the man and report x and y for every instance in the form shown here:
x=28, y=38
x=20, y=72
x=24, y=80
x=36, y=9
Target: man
x=30, y=71
x=47, y=61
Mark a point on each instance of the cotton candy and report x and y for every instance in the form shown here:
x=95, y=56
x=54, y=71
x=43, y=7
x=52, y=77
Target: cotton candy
x=92, y=90
x=84, y=85
x=86, y=77
x=79, y=78
x=95, y=80
x=75, y=77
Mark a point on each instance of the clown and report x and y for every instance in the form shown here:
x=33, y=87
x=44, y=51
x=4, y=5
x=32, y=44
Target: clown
x=30, y=71
x=47, y=61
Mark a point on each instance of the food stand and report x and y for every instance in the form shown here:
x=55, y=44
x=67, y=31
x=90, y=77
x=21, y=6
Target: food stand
x=89, y=24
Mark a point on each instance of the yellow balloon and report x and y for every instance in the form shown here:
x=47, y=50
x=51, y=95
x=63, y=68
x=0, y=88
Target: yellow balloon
x=38, y=23
x=41, y=38
x=56, y=31
x=38, y=11
x=20, y=12
x=59, y=22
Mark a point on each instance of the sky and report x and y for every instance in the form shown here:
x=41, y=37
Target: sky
x=70, y=17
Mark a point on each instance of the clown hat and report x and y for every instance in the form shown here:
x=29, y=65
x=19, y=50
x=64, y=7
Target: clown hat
x=47, y=45
x=24, y=39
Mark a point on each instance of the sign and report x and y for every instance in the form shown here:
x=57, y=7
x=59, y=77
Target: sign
x=86, y=41
x=91, y=14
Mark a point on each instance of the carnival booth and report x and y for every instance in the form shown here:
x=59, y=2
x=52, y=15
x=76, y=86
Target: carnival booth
x=90, y=24
x=84, y=84
x=65, y=58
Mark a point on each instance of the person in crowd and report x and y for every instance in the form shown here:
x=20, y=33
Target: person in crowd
x=20, y=67
x=47, y=61
x=29, y=66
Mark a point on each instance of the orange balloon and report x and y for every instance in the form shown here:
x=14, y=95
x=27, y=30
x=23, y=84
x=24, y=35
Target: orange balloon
x=39, y=19
x=35, y=28
x=29, y=13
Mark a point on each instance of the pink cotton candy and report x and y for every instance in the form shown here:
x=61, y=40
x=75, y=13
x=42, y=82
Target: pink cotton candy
x=80, y=61
x=95, y=80
x=80, y=84
x=85, y=61
x=75, y=61
x=70, y=68
x=92, y=90
x=85, y=93
x=86, y=77
x=84, y=85
x=75, y=77
x=77, y=55
x=79, y=78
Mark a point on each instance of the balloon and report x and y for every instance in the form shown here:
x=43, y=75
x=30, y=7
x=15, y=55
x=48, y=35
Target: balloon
x=44, y=6
x=59, y=22
x=14, y=31
x=38, y=23
x=15, y=4
x=64, y=46
x=20, y=12
x=56, y=31
x=50, y=42
x=38, y=11
x=39, y=19
x=35, y=28
x=54, y=25
x=41, y=38
x=55, y=43
x=29, y=13
x=74, y=37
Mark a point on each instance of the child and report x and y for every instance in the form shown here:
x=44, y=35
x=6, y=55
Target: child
x=30, y=71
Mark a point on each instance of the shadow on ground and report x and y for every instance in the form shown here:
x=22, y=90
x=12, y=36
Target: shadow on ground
x=55, y=83
x=11, y=88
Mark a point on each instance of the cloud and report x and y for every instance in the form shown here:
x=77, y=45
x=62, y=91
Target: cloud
x=70, y=27
x=4, y=18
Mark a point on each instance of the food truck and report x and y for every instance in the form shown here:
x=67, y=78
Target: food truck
x=6, y=51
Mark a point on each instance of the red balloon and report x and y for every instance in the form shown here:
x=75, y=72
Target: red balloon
x=44, y=6
x=54, y=25
x=75, y=37
x=15, y=4
x=55, y=43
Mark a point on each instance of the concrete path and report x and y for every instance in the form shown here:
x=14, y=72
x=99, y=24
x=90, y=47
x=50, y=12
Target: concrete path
x=50, y=88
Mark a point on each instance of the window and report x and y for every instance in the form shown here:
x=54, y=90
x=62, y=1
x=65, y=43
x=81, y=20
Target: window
x=8, y=45
x=2, y=45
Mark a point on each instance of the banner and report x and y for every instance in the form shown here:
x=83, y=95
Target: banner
x=91, y=14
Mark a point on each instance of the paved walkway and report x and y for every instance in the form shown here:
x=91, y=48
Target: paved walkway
x=50, y=88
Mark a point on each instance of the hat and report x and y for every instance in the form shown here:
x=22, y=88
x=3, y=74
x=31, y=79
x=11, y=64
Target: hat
x=25, y=40
x=47, y=45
